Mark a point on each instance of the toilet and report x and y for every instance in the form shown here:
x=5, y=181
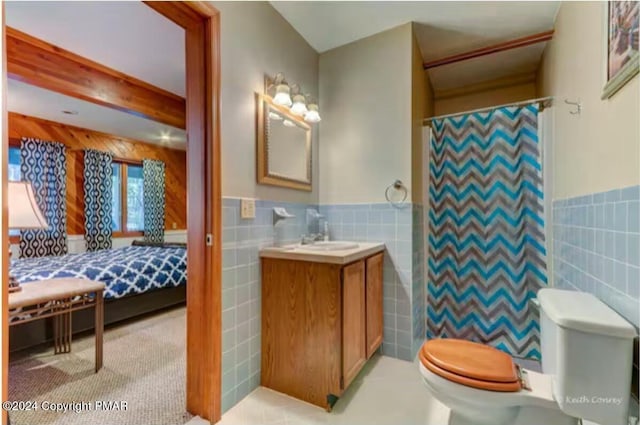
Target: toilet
x=587, y=353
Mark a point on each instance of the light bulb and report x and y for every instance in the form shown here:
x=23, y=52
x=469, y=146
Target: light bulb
x=312, y=115
x=299, y=105
x=282, y=95
x=288, y=123
x=274, y=116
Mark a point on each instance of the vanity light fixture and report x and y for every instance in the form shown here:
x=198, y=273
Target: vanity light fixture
x=274, y=116
x=312, y=115
x=299, y=105
x=282, y=94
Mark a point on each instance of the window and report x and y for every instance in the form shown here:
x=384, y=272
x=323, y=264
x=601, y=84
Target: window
x=14, y=175
x=14, y=164
x=127, y=215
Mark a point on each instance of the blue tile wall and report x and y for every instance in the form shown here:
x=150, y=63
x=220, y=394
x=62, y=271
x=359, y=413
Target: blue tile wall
x=242, y=240
x=418, y=291
x=404, y=304
x=392, y=226
x=596, y=247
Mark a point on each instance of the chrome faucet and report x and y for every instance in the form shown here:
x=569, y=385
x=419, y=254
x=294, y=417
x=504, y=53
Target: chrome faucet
x=311, y=238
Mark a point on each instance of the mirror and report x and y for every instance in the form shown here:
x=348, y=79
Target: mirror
x=284, y=147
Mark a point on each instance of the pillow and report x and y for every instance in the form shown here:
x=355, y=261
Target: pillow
x=159, y=244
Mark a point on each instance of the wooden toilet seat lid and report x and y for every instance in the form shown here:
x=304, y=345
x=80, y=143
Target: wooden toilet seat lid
x=472, y=364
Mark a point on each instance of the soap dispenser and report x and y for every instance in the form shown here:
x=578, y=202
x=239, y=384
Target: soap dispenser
x=326, y=231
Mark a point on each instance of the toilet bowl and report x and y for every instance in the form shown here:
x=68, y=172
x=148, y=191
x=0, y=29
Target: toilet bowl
x=471, y=405
x=586, y=357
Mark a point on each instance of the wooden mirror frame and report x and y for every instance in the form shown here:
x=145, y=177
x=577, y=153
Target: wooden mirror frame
x=265, y=176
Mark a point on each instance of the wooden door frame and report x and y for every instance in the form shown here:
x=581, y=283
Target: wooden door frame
x=201, y=22
x=4, y=230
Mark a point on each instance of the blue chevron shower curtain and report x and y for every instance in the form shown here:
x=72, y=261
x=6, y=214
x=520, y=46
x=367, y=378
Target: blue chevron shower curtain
x=487, y=254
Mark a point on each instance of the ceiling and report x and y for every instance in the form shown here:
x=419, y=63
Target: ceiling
x=521, y=61
x=111, y=34
x=36, y=102
x=442, y=29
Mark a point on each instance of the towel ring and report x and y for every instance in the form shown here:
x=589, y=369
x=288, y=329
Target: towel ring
x=397, y=185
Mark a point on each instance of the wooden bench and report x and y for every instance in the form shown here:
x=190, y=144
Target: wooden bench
x=58, y=298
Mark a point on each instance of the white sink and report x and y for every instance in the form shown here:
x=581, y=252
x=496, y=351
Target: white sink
x=329, y=246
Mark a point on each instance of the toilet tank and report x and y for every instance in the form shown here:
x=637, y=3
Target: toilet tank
x=587, y=349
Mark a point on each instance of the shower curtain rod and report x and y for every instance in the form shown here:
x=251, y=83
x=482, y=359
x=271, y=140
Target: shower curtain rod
x=543, y=101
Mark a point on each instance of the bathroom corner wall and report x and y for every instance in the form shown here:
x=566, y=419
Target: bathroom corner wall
x=366, y=131
x=596, y=164
x=241, y=313
x=373, y=92
x=421, y=107
x=418, y=280
x=381, y=222
x=597, y=247
x=255, y=40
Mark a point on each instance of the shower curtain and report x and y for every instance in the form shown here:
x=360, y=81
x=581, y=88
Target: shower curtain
x=487, y=254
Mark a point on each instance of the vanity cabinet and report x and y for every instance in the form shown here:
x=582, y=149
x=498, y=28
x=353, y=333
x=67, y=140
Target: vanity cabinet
x=374, y=303
x=320, y=324
x=354, y=321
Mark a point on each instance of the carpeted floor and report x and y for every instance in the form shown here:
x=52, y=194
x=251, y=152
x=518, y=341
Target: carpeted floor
x=144, y=365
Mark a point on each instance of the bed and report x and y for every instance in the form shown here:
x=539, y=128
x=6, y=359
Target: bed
x=124, y=271
x=138, y=279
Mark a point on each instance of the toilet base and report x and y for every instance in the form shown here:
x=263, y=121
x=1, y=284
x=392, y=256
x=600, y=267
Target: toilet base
x=517, y=416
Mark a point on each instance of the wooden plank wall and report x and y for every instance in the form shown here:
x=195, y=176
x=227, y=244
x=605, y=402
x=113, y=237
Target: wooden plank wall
x=76, y=139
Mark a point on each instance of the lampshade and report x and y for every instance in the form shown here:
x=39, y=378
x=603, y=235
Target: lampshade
x=24, y=212
x=282, y=96
x=312, y=115
x=299, y=105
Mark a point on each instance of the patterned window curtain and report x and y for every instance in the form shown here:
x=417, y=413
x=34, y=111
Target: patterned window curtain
x=487, y=247
x=98, y=200
x=154, y=200
x=44, y=165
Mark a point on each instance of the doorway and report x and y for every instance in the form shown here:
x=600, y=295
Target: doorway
x=203, y=370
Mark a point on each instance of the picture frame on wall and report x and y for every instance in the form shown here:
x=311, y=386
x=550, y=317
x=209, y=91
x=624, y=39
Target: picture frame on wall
x=622, y=20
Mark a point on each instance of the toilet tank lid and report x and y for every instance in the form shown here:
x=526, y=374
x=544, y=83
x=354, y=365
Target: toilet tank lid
x=584, y=312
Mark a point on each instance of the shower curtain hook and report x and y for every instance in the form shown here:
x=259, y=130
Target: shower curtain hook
x=577, y=104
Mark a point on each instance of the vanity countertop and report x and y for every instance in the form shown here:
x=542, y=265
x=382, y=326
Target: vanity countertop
x=342, y=256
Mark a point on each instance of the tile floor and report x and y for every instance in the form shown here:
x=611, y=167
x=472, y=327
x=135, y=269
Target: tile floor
x=387, y=392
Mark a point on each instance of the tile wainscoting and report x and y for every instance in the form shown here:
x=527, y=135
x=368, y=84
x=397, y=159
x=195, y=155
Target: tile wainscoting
x=404, y=303
x=596, y=247
x=241, y=241
x=419, y=279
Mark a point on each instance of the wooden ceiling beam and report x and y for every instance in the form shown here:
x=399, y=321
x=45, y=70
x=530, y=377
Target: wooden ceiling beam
x=495, y=48
x=42, y=64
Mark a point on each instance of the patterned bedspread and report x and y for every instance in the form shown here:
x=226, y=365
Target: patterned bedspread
x=124, y=271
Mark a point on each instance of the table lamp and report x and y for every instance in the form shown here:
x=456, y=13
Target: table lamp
x=24, y=214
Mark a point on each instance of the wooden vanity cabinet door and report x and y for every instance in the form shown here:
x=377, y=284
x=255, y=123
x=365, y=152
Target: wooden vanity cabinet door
x=374, y=302
x=354, y=350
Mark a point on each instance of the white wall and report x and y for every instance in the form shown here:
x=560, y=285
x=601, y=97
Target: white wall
x=421, y=99
x=598, y=150
x=256, y=41
x=365, y=99
x=485, y=98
